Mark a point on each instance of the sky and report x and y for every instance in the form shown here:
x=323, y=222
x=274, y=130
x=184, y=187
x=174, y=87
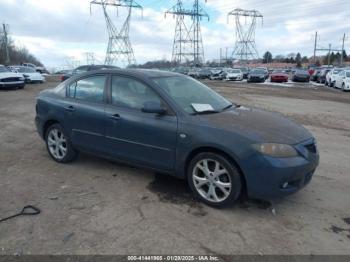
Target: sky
x=60, y=31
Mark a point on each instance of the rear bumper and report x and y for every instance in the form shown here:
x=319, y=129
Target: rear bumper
x=269, y=178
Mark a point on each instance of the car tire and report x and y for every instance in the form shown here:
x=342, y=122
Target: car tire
x=343, y=87
x=217, y=183
x=58, y=144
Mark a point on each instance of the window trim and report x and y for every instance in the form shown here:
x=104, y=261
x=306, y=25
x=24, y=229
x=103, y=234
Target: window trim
x=105, y=88
x=170, y=111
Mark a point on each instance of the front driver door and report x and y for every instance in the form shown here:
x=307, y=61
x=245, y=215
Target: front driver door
x=132, y=135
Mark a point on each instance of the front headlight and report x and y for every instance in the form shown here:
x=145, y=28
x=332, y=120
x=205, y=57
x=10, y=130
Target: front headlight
x=276, y=150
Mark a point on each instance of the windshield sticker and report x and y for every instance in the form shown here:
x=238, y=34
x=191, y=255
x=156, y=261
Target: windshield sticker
x=202, y=107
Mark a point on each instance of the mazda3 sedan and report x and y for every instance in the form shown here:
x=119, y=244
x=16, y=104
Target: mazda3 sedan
x=176, y=125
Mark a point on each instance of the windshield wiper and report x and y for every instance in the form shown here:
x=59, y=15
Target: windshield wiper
x=205, y=112
x=227, y=107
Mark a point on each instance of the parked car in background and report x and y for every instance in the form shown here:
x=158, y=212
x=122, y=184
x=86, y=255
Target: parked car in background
x=300, y=75
x=29, y=73
x=321, y=78
x=40, y=69
x=180, y=69
x=217, y=74
x=234, y=74
x=265, y=70
x=315, y=75
x=245, y=71
x=256, y=75
x=279, y=76
x=86, y=68
x=64, y=71
x=193, y=72
x=330, y=77
x=204, y=73
x=10, y=79
x=342, y=80
x=175, y=125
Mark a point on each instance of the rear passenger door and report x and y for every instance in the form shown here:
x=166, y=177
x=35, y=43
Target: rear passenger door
x=85, y=112
x=132, y=135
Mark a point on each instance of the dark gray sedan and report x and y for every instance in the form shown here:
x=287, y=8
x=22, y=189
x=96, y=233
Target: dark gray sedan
x=176, y=125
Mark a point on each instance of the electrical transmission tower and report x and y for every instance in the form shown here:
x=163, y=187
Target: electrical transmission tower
x=119, y=48
x=245, y=47
x=188, y=44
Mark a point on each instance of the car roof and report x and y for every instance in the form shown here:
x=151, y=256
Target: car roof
x=141, y=73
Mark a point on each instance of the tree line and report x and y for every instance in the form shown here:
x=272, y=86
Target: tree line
x=299, y=60
x=17, y=54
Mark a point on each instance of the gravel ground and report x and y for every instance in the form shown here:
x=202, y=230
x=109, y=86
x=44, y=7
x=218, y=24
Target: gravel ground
x=93, y=206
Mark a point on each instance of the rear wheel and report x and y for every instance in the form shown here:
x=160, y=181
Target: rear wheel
x=58, y=144
x=343, y=87
x=214, y=179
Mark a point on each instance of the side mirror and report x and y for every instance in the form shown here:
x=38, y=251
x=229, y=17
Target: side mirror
x=153, y=108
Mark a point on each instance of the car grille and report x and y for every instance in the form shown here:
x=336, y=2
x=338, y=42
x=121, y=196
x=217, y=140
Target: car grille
x=10, y=79
x=311, y=148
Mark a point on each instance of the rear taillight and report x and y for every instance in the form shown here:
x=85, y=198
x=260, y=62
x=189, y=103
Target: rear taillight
x=62, y=78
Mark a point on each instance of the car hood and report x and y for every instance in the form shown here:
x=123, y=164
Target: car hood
x=258, y=125
x=9, y=74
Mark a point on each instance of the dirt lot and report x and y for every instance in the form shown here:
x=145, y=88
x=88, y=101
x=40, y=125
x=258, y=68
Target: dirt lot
x=94, y=206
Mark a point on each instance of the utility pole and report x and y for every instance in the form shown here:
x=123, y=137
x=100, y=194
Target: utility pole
x=245, y=47
x=220, y=56
x=119, y=48
x=315, y=46
x=342, y=52
x=329, y=50
x=4, y=26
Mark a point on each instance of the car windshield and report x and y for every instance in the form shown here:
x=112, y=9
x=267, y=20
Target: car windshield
x=278, y=71
x=347, y=74
x=302, y=72
x=258, y=71
x=3, y=69
x=234, y=71
x=191, y=95
x=26, y=70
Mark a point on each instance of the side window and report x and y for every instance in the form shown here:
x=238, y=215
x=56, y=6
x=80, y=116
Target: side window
x=89, y=89
x=130, y=93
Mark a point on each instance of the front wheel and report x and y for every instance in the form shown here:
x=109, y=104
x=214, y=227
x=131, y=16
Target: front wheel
x=58, y=144
x=214, y=179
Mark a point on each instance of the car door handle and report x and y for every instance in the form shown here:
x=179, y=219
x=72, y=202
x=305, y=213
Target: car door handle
x=70, y=108
x=115, y=117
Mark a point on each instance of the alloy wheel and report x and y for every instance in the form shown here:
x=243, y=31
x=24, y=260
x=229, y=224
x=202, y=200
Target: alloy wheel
x=211, y=180
x=57, y=143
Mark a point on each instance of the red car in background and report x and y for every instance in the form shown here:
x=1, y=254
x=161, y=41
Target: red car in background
x=279, y=76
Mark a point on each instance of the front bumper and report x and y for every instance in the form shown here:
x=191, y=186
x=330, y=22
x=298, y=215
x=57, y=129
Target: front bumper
x=269, y=178
x=234, y=78
x=279, y=79
x=256, y=79
x=12, y=84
